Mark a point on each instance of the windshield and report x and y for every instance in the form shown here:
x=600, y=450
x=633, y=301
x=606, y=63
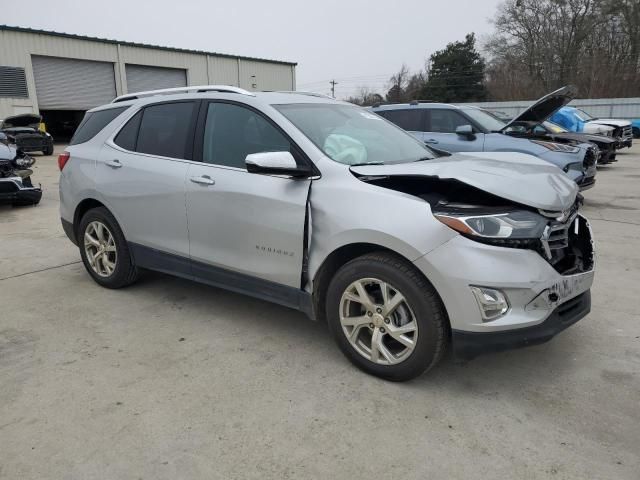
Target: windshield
x=352, y=135
x=554, y=128
x=584, y=116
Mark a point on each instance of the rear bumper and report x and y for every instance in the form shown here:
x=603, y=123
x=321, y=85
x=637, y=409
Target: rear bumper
x=468, y=345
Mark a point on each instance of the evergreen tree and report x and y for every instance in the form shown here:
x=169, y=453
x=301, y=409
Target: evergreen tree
x=456, y=73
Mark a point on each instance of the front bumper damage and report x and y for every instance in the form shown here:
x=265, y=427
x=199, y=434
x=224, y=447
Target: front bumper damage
x=543, y=299
x=18, y=190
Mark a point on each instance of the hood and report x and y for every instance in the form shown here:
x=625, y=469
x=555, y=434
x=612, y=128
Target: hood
x=610, y=121
x=7, y=152
x=545, y=107
x=517, y=177
x=25, y=120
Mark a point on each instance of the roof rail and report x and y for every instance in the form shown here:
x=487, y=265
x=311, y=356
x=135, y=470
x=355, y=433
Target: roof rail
x=173, y=91
x=302, y=92
x=411, y=102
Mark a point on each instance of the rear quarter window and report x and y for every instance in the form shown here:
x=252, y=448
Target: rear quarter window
x=93, y=123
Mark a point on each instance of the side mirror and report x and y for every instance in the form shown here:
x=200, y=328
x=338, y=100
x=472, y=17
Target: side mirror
x=465, y=130
x=275, y=163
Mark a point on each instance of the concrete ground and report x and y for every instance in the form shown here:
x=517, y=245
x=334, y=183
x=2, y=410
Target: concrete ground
x=169, y=379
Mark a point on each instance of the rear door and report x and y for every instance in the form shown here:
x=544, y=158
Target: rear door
x=410, y=119
x=441, y=131
x=249, y=224
x=141, y=174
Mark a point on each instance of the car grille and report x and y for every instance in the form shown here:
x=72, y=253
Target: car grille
x=627, y=132
x=567, y=245
x=29, y=141
x=8, y=187
x=590, y=157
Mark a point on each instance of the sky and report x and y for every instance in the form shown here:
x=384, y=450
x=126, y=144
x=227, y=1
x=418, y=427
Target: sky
x=357, y=43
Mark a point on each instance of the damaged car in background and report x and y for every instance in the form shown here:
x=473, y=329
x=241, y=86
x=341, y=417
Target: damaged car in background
x=28, y=133
x=455, y=128
x=325, y=207
x=577, y=120
x=16, y=187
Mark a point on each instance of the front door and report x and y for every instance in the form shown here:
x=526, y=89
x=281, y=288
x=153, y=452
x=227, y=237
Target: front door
x=441, y=132
x=249, y=224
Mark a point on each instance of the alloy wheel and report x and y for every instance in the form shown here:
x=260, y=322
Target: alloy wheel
x=100, y=249
x=378, y=321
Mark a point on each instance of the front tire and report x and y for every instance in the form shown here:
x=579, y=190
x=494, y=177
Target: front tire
x=48, y=150
x=386, y=317
x=104, y=250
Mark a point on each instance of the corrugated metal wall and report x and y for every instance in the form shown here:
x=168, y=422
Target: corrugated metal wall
x=17, y=47
x=265, y=76
x=621, y=108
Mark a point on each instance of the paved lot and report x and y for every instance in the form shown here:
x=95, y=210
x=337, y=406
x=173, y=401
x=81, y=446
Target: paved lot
x=169, y=379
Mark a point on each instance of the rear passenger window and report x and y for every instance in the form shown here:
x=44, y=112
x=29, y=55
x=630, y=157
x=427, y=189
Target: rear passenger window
x=127, y=137
x=446, y=121
x=93, y=122
x=165, y=129
x=410, y=120
x=232, y=132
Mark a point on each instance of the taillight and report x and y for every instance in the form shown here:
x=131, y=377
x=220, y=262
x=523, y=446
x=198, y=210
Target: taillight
x=63, y=158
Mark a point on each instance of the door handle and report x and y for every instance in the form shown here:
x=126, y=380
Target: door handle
x=431, y=140
x=203, y=180
x=113, y=163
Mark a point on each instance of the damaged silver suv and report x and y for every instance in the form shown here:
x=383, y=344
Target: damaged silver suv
x=327, y=208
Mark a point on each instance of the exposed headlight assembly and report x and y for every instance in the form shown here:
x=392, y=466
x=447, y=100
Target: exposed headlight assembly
x=557, y=147
x=514, y=225
x=24, y=162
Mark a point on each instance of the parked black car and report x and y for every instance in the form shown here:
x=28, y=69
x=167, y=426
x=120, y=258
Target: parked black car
x=16, y=187
x=25, y=131
x=550, y=131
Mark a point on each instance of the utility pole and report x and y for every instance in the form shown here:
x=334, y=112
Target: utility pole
x=333, y=84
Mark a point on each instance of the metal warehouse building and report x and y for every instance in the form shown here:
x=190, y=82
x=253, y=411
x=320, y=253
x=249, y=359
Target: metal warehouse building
x=61, y=75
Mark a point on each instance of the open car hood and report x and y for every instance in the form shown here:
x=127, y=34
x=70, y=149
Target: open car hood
x=517, y=177
x=25, y=120
x=545, y=106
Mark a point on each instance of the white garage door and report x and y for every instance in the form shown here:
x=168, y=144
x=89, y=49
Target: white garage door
x=70, y=84
x=143, y=77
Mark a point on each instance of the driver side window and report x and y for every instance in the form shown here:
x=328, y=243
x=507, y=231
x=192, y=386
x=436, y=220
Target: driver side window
x=232, y=132
x=445, y=121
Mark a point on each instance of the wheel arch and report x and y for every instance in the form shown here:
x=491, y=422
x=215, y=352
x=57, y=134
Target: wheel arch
x=83, y=207
x=340, y=256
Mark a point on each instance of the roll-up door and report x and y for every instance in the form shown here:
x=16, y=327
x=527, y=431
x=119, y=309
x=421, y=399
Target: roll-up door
x=142, y=77
x=71, y=84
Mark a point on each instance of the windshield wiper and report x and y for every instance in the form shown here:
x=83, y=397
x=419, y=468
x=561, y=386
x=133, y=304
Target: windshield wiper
x=365, y=163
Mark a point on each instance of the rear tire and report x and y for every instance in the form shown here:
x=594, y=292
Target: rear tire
x=400, y=356
x=104, y=250
x=48, y=151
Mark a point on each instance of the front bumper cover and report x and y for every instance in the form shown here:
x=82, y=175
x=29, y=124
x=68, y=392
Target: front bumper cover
x=468, y=345
x=13, y=190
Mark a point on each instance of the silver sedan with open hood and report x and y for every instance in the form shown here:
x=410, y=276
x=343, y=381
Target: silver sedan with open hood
x=327, y=208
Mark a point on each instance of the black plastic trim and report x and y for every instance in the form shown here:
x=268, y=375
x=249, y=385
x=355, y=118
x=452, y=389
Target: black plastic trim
x=468, y=345
x=173, y=264
x=69, y=230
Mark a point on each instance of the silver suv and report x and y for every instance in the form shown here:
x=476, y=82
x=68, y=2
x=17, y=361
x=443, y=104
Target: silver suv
x=327, y=208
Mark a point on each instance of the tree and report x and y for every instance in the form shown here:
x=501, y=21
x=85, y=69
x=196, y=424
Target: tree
x=456, y=73
x=365, y=97
x=398, y=85
x=541, y=45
